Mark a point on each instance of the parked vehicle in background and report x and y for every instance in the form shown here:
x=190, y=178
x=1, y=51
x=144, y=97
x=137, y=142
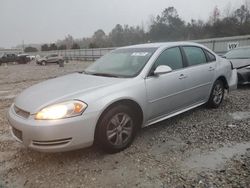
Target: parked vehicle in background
x=7, y=58
x=1, y=55
x=240, y=57
x=52, y=58
x=129, y=88
x=23, y=58
x=31, y=57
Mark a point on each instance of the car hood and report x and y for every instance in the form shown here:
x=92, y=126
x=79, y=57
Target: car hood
x=59, y=89
x=240, y=62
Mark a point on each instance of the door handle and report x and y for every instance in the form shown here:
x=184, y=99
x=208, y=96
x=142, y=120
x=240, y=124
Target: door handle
x=211, y=69
x=182, y=76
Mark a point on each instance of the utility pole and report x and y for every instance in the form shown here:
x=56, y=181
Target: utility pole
x=23, y=45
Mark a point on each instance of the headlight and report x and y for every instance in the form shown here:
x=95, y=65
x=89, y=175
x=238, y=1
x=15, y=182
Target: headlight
x=62, y=110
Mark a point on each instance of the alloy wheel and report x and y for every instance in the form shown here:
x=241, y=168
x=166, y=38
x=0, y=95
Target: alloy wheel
x=218, y=93
x=119, y=129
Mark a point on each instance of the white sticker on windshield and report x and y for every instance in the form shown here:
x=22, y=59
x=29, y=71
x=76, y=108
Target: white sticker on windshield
x=139, y=54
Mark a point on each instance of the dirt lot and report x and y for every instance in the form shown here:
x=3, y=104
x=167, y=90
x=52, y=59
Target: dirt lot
x=200, y=148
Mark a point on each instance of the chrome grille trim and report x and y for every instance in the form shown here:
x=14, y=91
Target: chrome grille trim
x=52, y=142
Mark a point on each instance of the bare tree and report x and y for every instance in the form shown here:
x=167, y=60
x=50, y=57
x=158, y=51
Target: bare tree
x=215, y=15
x=228, y=11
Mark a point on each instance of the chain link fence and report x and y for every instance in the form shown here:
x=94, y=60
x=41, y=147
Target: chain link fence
x=218, y=45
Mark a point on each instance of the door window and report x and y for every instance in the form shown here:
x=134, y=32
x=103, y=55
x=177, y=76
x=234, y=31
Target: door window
x=195, y=55
x=171, y=57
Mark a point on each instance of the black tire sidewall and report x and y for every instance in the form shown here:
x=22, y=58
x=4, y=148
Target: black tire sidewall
x=101, y=131
x=211, y=102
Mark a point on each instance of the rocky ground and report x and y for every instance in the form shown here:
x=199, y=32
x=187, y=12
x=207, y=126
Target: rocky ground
x=200, y=148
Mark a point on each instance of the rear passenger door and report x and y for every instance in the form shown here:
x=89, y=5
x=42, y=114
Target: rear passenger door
x=200, y=73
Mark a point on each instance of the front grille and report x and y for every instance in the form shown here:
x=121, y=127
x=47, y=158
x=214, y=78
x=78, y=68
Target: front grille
x=17, y=133
x=21, y=112
x=52, y=142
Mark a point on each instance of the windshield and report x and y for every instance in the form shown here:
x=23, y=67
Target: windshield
x=240, y=53
x=122, y=62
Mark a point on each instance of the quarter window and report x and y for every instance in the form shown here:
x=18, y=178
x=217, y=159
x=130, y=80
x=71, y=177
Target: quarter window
x=211, y=57
x=195, y=55
x=171, y=57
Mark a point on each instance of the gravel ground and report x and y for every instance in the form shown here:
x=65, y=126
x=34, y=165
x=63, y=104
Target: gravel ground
x=200, y=148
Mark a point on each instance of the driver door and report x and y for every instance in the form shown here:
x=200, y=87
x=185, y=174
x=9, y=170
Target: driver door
x=166, y=92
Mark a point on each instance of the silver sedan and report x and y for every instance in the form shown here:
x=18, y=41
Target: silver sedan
x=129, y=88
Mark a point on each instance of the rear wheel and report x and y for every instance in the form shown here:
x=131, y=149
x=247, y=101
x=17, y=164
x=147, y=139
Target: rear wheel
x=217, y=94
x=43, y=63
x=116, y=129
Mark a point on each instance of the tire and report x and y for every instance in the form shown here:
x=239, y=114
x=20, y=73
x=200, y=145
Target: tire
x=217, y=94
x=43, y=63
x=111, y=134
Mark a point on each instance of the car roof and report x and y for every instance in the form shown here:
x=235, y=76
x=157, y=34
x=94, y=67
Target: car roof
x=162, y=44
x=8, y=53
x=23, y=54
x=51, y=54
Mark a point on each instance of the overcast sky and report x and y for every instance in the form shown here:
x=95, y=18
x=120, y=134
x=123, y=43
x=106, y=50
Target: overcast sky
x=41, y=21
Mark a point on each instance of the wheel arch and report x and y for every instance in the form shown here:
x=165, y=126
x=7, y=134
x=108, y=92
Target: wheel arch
x=128, y=102
x=44, y=62
x=224, y=80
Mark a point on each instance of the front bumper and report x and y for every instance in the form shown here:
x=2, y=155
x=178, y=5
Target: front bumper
x=244, y=76
x=233, y=80
x=53, y=135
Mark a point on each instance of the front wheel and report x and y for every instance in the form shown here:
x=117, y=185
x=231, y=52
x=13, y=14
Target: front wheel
x=43, y=63
x=217, y=94
x=116, y=129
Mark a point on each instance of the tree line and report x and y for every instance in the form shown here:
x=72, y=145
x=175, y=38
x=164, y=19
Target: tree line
x=167, y=26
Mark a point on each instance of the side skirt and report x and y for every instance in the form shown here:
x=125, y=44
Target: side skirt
x=164, y=117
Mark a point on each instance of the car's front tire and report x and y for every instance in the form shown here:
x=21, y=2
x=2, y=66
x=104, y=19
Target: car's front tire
x=60, y=61
x=217, y=94
x=43, y=63
x=116, y=129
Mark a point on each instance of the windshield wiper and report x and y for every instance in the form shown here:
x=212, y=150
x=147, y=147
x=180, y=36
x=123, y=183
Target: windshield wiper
x=104, y=74
x=99, y=74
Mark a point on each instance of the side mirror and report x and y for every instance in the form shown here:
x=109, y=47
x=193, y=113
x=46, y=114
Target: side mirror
x=162, y=69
